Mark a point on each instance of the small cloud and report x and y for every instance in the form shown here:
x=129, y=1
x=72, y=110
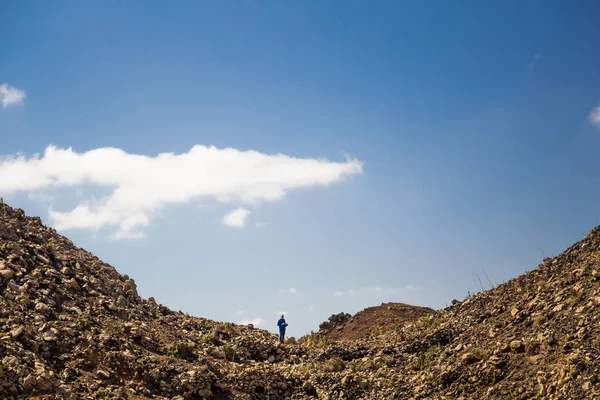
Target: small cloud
x=311, y=308
x=261, y=224
x=236, y=218
x=128, y=229
x=534, y=61
x=239, y=312
x=10, y=95
x=128, y=235
x=292, y=291
x=595, y=116
x=378, y=291
x=253, y=321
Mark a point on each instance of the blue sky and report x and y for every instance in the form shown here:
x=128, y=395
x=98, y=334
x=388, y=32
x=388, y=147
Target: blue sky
x=426, y=142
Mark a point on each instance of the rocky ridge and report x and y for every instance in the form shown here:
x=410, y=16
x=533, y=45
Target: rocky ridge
x=72, y=327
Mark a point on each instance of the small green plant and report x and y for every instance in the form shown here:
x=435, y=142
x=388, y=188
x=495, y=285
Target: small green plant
x=211, y=337
x=532, y=348
x=230, y=352
x=227, y=328
x=315, y=340
x=574, y=297
x=539, y=321
x=290, y=340
x=334, y=364
x=425, y=359
x=50, y=249
x=185, y=350
x=479, y=353
x=362, y=366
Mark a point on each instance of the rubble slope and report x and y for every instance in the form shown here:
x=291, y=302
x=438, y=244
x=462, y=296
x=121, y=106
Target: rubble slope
x=72, y=327
x=371, y=321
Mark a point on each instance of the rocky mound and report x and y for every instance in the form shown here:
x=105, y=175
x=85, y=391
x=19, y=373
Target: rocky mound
x=536, y=336
x=72, y=327
x=371, y=321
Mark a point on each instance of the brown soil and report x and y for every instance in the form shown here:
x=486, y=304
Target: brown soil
x=375, y=321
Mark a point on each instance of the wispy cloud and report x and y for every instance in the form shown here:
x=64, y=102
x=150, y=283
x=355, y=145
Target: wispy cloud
x=292, y=291
x=534, y=61
x=254, y=321
x=10, y=95
x=378, y=291
x=125, y=234
x=239, y=312
x=236, y=218
x=40, y=197
x=261, y=224
x=311, y=308
x=140, y=186
x=595, y=116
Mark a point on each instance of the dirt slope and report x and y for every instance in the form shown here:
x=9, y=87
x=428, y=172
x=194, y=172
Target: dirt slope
x=372, y=321
x=536, y=336
x=72, y=327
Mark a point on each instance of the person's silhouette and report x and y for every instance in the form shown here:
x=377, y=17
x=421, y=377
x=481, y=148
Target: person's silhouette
x=282, y=325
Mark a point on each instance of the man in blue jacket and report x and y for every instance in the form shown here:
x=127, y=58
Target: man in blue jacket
x=281, y=324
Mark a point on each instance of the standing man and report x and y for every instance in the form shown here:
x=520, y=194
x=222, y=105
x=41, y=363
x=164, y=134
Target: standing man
x=281, y=324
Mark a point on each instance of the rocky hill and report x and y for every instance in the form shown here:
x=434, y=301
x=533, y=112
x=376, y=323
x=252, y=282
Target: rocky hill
x=72, y=327
x=371, y=321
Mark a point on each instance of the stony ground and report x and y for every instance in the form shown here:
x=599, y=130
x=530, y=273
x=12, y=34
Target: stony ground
x=372, y=321
x=72, y=327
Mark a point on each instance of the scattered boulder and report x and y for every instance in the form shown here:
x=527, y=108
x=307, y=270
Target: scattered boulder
x=516, y=345
x=6, y=274
x=49, y=336
x=16, y=332
x=469, y=358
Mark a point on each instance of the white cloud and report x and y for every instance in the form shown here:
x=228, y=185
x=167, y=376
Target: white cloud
x=595, y=115
x=236, y=218
x=311, y=308
x=121, y=234
x=10, y=95
x=254, y=321
x=239, y=312
x=140, y=186
x=378, y=291
x=261, y=224
x=292, y=291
